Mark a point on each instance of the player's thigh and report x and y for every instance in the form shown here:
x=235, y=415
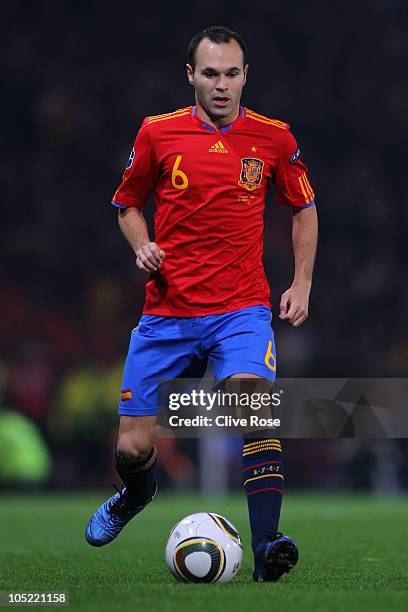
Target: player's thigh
x=245, y=345
x=161, y=348
x=244, y=361
x=245, y=375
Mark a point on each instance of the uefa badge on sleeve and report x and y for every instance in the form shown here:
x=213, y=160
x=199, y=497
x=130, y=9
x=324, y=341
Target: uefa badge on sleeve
x=131, y=158
x=295, y=156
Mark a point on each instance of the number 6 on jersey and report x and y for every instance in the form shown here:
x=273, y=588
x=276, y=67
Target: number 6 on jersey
x=179, y=179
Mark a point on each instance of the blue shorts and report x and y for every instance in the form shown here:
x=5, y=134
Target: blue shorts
x=161, y=348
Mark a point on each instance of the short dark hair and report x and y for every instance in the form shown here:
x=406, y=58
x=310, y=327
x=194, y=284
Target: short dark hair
x=217, y=34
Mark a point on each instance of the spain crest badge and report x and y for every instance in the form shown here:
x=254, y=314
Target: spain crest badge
x=126, y=395
x=251, y=173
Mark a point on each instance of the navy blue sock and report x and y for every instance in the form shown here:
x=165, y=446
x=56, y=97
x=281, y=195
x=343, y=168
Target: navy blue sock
x=137, y=475
x=262, y=471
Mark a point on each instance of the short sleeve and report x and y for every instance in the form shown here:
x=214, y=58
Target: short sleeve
x=141, y=173
x=292, y=183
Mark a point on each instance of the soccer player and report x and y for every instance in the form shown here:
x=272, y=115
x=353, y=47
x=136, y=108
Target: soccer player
x=209, y=166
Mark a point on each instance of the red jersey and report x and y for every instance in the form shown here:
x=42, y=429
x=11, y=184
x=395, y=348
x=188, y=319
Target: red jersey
x=210, y=187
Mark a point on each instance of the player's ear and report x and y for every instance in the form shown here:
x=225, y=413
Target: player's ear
x=246, y=68
x=190, y=74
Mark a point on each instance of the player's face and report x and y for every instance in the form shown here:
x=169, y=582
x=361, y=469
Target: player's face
x=218, y=79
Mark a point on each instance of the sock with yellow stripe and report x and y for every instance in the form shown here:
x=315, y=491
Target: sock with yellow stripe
x=262, y=471
x=137, y=475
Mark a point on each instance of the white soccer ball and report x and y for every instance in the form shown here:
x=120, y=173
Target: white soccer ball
x=204, y=547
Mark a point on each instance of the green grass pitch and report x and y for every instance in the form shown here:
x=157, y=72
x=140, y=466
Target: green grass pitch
x=353, y=555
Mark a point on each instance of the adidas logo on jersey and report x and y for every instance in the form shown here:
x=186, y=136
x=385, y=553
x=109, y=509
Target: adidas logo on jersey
x=218, y=147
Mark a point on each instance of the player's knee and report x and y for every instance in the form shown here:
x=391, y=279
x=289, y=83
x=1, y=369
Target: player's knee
x=134, y=446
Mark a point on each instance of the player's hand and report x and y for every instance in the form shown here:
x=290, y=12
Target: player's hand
x=149, y=257
x=294, y=305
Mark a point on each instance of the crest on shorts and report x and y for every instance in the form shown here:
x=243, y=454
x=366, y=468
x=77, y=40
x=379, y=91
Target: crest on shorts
x=126, y=395
x=251, y=173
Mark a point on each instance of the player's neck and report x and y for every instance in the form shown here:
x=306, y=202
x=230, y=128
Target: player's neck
x=214, y=122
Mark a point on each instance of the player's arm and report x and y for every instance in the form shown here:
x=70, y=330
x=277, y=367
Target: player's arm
x=294, y=189
x=149, y=255
x=138, y=182
x=294, y=303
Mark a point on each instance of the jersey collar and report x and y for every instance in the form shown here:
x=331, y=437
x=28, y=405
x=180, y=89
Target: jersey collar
x=210, y=128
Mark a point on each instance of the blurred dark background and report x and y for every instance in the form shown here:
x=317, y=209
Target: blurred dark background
x=77, y=80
